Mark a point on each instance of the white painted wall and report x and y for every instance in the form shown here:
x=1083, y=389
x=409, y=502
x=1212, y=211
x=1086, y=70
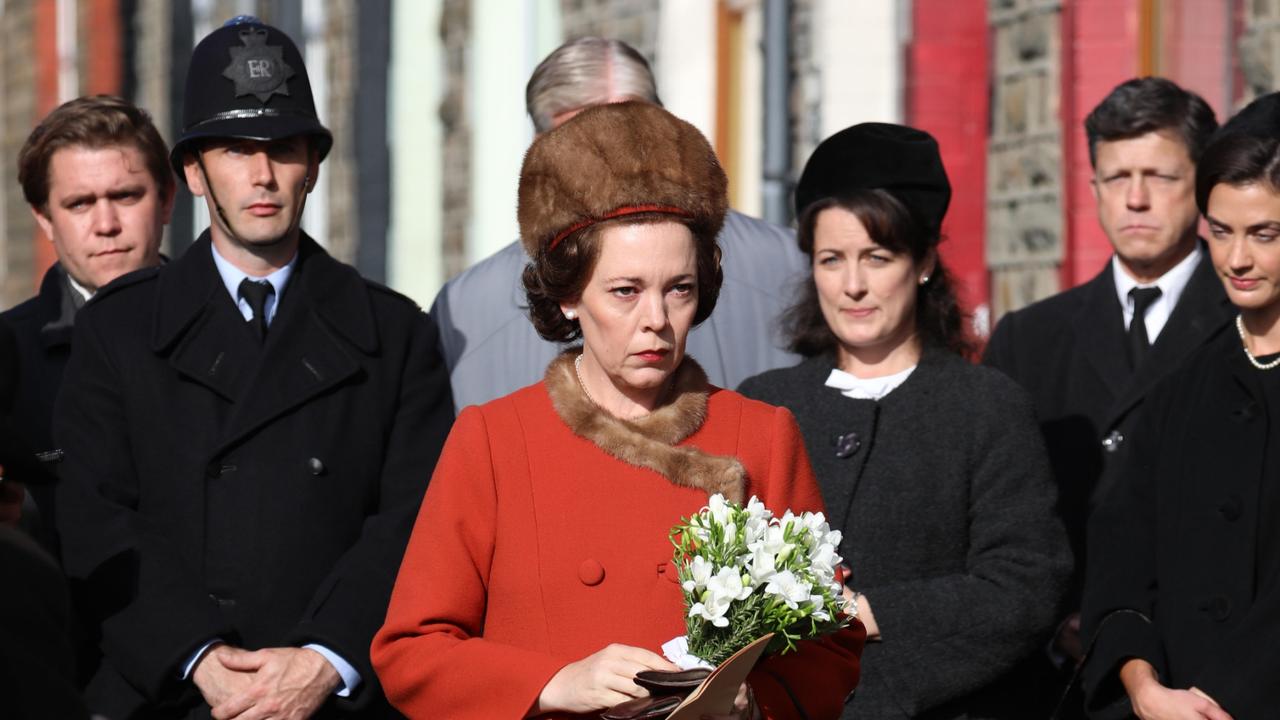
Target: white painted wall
x=860, y=50
x=508, y=40
x=416, y=76
x=748, y=178
x=685, y=61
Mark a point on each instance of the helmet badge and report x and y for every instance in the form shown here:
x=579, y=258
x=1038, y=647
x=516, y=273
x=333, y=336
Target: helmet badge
x=258, y=69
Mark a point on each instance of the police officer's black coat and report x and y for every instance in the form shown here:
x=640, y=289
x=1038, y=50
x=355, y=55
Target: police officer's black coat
x=215, y=489
x=1070, y=352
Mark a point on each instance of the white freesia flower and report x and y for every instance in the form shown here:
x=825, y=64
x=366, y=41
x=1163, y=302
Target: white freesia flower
x=788, y=587
x=712, y=612
x=719, y=509
x=823, y=561
x=699, y=574
x=727, y=585
x=772, y=541
x=762, y=567
x=816, y=524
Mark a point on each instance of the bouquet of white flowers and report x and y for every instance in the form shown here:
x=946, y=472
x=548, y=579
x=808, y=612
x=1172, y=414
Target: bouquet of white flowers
x=746, y=573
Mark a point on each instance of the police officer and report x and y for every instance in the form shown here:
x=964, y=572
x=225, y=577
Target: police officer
x=248, y=430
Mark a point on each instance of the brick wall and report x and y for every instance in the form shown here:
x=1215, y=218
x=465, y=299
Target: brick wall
x=1025, y=229
x=634, y=22
x=17, y=83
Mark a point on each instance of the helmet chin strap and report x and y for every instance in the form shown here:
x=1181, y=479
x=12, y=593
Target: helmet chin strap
x=226, y=222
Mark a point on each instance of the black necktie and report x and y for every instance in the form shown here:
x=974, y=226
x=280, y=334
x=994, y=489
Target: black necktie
x=256, y=292
x=1138, y=342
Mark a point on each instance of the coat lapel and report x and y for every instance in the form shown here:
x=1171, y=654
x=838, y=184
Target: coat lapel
x=1099, y=328
x=196, y=319
x=56, y=298
x=1202, y=310
x=325, y=317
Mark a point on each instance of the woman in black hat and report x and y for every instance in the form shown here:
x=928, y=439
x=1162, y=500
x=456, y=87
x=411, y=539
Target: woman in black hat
x=933, y=468
x=1183, y=584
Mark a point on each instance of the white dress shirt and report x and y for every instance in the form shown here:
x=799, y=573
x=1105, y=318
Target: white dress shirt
x=1171, y=285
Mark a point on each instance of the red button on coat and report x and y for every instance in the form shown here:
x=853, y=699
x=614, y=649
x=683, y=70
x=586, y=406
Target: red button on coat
x=669, y=571
x=591, y=572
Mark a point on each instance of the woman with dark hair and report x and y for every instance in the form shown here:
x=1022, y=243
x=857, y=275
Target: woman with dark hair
x=538, y=579
x=1182, y=593
x=933, y=468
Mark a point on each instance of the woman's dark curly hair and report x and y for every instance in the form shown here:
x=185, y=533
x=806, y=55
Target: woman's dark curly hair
x=939, y=319
x=561, y=275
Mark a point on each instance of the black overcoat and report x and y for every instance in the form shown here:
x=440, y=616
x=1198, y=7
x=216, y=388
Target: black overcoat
x=215, y=489
x=42, y=327
x=1069, y=351
x=1177, y=539
x=946, y=506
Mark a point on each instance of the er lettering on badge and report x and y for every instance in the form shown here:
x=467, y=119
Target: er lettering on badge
x=259, y=68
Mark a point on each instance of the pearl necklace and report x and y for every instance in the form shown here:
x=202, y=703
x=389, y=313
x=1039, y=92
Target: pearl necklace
x=577, y=370
x=1252, y=359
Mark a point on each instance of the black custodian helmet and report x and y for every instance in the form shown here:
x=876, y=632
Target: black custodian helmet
x=247, y=80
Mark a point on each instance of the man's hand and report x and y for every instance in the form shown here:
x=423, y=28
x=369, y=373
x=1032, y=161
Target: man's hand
x=216, y=682
x=287, y=684
x=1151, y=700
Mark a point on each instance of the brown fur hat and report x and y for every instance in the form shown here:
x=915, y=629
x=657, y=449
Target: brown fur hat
x=615, y=160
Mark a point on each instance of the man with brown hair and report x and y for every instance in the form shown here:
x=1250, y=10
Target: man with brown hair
x=96, y=174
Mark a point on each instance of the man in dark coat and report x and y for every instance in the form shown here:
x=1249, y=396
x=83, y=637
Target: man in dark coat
x=248, y=430
x=96, y=174
x=1085, y=361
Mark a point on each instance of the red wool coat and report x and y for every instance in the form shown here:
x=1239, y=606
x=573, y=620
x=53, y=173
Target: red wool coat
x=535, y=548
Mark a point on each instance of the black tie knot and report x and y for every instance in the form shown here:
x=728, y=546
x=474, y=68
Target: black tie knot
x=1138, y=341
x=1142, y=299
x=256, y=292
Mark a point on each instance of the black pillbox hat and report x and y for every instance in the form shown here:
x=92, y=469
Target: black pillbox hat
x=903, y=161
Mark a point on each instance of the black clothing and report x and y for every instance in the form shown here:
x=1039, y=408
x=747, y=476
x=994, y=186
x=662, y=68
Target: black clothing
x=37, y=666
x=1069, y=352
x=42, y=327
x=942, y=491
x=1139, y=343
x=214, y=487
x=1179, y=538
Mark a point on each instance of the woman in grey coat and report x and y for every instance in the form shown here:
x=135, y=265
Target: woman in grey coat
x=933, y=468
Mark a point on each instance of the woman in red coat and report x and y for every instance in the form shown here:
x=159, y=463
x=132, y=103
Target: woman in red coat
x=538, y=580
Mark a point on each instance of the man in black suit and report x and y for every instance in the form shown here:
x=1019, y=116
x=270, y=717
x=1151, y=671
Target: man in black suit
x=248, y=430
x=96, y=174
x=1089, y=355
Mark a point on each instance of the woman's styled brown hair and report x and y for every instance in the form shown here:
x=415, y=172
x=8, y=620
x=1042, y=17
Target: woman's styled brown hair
x=623, y=163
x=98, y=121
x=561, y=274
x=939, y=320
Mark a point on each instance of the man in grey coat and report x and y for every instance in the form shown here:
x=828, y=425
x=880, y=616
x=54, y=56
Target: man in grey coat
x=488, y=342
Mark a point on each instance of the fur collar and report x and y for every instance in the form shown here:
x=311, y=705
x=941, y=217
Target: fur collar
x=650, y=441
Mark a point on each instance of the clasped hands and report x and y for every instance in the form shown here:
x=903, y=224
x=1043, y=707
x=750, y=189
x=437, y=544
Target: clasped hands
x=280, y=683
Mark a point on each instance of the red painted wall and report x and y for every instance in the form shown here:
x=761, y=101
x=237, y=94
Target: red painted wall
x=946, y=94
x=1100, y=47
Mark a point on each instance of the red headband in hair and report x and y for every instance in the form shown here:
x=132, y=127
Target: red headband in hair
x=614, y=214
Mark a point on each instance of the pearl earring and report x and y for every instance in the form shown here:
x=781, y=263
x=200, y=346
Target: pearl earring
x=570, y=315
x=924, y=279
